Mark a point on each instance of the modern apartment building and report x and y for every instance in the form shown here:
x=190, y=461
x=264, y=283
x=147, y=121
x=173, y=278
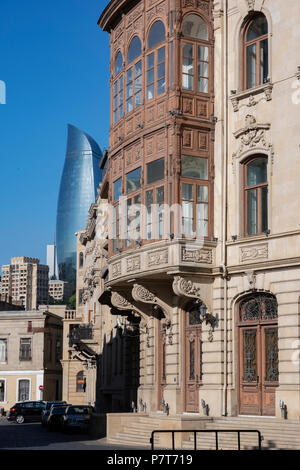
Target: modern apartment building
x=25, y=280
x=60, y=290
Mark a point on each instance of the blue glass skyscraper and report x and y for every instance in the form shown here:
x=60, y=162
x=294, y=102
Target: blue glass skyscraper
x=78, y=188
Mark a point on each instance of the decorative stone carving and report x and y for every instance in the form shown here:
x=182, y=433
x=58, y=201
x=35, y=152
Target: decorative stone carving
x=133, y=264
x=251, y=277
x=184, y=287
x=116, y=269
x=200, y=255
x=142, y=294
x=157, y=257
x=254, y=252
x=250, y=4
x=252, y=136
x=120, y=302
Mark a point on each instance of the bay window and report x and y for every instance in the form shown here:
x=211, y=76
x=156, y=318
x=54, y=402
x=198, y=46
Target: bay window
x=156, y=69
x=134, y=75
x=118, y=90
x=195, y=54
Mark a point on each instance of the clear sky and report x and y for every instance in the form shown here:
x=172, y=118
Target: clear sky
x=54, y=60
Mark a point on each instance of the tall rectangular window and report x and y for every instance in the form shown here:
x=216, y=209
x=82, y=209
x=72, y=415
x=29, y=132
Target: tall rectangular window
x=138, y=84
x=256, y=196
x=25, y=349
x=129, y=90
x=24, y=390
x=161, y=80
x=187, y=66
x=2, y=390
x=150, y=76
x=3, y=350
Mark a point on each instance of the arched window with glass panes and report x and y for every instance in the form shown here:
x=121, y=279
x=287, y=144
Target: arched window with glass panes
x=134, y=75
x=118, y=89
x=255, y=51
x=195, y=54
x=155, y=61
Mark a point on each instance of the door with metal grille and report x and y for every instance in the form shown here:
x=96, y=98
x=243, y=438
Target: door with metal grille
x=258, y=355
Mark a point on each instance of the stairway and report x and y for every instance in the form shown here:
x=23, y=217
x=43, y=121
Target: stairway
x=276, y=433
x=137, y=433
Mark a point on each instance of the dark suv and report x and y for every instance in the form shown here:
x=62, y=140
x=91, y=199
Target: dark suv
x=26, y=411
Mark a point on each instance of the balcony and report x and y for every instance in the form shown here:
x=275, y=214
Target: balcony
x=162, y=259
x=80, y=333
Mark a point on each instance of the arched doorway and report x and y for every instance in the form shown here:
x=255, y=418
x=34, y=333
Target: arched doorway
x=258, y=354
x=192, y=357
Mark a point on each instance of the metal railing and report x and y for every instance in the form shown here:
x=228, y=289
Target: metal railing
x=216, y=431
x=79, y=333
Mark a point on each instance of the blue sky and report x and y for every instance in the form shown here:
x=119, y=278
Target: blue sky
x=54, y=60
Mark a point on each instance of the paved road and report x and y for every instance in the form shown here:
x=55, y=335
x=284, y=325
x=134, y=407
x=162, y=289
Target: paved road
x=33, y=436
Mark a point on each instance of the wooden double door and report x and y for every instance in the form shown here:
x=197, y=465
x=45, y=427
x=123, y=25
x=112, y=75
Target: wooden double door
x=192, y=359
x=258, y=356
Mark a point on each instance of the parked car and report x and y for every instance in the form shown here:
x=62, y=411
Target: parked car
x=76, y=417
x=55, y=417
x=46, y=411
x=26, y=411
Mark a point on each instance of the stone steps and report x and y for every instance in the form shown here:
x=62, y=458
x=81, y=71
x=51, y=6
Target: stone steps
x=277, y=434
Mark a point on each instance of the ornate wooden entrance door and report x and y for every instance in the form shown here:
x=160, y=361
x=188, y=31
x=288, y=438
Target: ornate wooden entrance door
x=193, y=359
x=258, y=355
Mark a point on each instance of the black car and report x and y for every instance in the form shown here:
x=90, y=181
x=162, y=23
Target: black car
x=26, y=411
x=46, y=411
x=76, y=417
x=54, y=420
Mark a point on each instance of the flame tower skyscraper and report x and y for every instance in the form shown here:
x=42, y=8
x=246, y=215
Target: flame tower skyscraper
x=78, y=187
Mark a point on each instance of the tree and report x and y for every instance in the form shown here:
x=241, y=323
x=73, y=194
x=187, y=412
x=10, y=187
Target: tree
x=72, y=302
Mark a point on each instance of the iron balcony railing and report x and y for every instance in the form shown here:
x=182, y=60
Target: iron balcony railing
x=79, y=333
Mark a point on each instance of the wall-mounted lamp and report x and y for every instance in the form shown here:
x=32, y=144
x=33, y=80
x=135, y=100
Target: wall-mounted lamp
x=121, y=139
x=171, y=236
x=214, y=239
x=119, y=250
x=139, y=242
x=205, y=408
x=267, y=232
x=213, y=119
x=283, y=408
x=141, y=126
x=234, y=237
x=233, y=92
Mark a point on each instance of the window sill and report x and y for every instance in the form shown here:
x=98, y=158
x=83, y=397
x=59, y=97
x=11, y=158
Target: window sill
x=264, y=90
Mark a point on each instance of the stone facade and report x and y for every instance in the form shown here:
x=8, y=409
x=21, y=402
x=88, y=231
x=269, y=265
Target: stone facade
x=167, y=279
x=26, y=373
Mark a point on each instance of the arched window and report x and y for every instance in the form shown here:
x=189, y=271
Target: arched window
x=80, y=382
x=134, y=75
x=118, y=89
x=156, y=73
x=135, y=49
x=157, y=34
x=118, y=63
x=195, y=27
x=255, y=182
x=255, y=51
x=195, y=54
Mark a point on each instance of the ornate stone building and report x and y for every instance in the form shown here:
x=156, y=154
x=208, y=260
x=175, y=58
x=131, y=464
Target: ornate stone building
x=204, y=112
x=198, y=92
